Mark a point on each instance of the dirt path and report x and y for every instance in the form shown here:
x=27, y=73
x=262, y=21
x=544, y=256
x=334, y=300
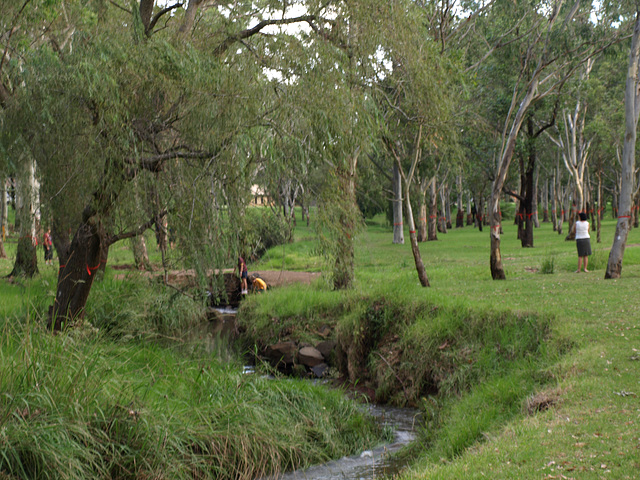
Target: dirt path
x=182, y=278
x=276, y=278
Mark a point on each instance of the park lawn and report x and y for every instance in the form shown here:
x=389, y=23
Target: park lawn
x=590, y=429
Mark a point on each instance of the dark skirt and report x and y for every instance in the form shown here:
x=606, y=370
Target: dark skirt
x=584, y=247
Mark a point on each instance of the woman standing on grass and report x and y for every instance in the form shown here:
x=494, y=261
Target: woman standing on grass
x=583, y=241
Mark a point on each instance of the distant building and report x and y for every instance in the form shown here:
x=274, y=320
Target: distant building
x=260, y=198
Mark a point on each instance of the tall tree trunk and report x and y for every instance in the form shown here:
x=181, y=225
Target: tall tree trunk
x=422, y=223
x=599, y=209
x=4, y=212
x=495, y=258
x=469, y=214
x=433, y=210
x=407, y=180
x=190, y=16
x=627, y=185
x=343, y=270
x=76, y=276
x=460, y=207
x=26, y=263
x=506, y=154
x=534, y=198
x=447, y=205
x=545, y=201
x=140, y=254
x=61, y=240
x=443, y=205
x=480, y=218
x=573, y=215
x=398, y=230
x=415, y=249
x=526, y=212
x=554, y=203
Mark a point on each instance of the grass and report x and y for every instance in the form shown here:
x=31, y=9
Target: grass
x=537, y=376
x=131, y=394
x=577, y=417
x=76, y=406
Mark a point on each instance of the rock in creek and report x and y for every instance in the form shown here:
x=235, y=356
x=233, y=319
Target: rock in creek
x=283, y=352
x=310, y=357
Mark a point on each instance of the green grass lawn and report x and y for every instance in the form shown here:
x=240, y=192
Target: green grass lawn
x=591, y=428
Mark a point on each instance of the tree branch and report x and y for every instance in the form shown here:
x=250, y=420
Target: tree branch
x=119, y=6
x=513, y=194
x=159, y=15
x=138, y=231
x=155, y=164
x=249, y=32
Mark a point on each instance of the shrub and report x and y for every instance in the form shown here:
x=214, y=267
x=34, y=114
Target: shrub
x=264, y=229
x=547, y=266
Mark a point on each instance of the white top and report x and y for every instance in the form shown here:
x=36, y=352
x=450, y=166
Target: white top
x=582, y=229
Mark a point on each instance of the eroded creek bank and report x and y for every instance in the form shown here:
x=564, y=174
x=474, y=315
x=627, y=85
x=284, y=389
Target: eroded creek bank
x=400, y=424
x=405, y=353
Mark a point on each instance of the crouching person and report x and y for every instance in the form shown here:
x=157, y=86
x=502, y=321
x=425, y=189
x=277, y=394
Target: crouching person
x=258, y=284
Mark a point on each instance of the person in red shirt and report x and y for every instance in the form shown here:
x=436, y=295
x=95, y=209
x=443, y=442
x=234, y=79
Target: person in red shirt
x=48, y=248
x=244, y=274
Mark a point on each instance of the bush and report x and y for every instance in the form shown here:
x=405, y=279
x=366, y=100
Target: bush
x=264, y=229
x=547, y=266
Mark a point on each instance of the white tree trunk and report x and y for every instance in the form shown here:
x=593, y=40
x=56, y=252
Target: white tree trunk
x=398, y=231
x=627, y=184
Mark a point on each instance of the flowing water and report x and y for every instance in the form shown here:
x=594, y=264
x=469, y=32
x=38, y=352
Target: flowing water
x=370, y=464
x=377, y=463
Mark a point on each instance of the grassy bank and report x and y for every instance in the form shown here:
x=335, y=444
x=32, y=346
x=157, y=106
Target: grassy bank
x=130, y=395
x=532, y=377
x=562, y=402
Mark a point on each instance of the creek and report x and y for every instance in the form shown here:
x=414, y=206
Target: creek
x=376, y=463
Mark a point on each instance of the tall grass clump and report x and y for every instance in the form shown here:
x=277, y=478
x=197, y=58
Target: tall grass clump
x=132, y=308
x=548, y=265
x=297, y=312
x=78, y=406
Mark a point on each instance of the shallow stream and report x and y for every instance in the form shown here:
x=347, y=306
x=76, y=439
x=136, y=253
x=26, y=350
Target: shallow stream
x=370, y=464
x=377, y=463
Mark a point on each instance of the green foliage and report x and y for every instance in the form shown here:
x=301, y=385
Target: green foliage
x=547, y=266
x=262, y=230
x=130, y=308
x=77, y=405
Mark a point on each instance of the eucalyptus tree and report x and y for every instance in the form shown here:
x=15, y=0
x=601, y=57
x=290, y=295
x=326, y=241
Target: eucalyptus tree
x=417, y=108
x=548, y=60
x=606, y=89
x=572, y=142
x=628, y=173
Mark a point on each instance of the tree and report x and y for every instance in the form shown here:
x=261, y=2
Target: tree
x=627, y=184
x=118, y=120
x=546, y=67
x=573, y=144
